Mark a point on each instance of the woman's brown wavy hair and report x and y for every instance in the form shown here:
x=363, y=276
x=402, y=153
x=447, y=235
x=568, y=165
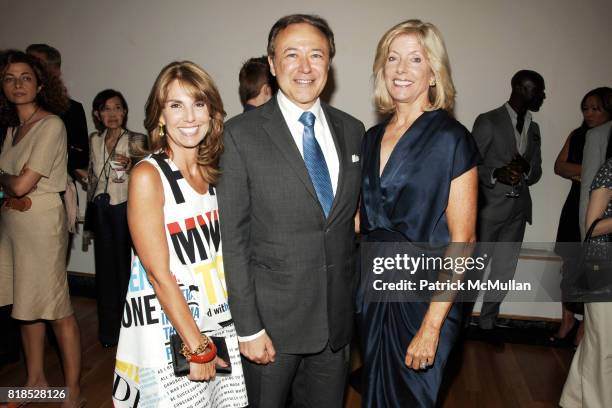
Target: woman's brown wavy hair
x=52, y=96
x=200, y=87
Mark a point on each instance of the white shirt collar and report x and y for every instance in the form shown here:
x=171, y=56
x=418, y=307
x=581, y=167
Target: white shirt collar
x=514, y=115
x=293, y=112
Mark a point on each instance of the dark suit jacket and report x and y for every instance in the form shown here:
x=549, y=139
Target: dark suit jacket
x=494, y=135
x=288, y=269
x=77, y=136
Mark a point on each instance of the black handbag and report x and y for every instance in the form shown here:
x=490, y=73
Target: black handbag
x=180, y=363
x=594, y=280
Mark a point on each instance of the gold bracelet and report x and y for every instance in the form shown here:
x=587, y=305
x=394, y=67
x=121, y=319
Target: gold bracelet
x=185, y=351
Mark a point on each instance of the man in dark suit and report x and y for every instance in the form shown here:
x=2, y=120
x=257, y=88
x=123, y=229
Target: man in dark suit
x=509, y=142
x=287, y=196
x=74, y=118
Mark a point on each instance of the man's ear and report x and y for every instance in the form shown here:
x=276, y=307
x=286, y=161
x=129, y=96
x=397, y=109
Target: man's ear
x=271, y=63
x=266, y=90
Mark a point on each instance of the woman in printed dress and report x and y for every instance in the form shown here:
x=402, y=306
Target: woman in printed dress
x=177, y=283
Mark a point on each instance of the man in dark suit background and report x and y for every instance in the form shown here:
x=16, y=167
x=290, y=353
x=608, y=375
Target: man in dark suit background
x=287, y=196
x=74, y=119
x=509, y=142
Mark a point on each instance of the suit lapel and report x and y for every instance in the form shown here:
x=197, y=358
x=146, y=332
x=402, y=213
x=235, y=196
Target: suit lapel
x=279, y=133
x=337, y=132
x=508, y=130
x=529, y=141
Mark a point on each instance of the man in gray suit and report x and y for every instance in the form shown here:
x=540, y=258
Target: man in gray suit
x=287, y=195
x=509, y=142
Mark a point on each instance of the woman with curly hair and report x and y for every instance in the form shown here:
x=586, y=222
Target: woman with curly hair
x=177, y=271
x=33, y=234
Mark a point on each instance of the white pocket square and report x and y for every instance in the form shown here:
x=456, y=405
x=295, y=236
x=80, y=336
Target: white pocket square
x=355, y=158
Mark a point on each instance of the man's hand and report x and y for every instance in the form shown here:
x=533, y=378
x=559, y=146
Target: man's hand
x=518, y=162
x=507, y=175
x=81, y=177
x=260, y=351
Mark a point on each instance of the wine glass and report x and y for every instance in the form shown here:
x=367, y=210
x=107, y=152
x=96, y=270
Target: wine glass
x=118, y=167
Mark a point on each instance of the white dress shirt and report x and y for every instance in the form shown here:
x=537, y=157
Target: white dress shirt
x=521, y=138
x=291, y=113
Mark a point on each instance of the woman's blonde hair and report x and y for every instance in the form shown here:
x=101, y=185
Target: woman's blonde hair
x=442, y=94
x=200, y=87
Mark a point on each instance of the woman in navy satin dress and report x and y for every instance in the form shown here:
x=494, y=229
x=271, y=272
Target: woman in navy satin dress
x=419, y=185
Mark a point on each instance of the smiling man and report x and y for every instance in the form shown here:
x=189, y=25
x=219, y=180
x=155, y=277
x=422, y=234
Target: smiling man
x=288, y=194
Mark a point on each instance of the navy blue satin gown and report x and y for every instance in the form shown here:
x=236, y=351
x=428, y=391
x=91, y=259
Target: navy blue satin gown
x=408, y=203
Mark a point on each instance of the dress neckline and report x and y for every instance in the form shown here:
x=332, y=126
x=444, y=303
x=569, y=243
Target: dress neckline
x=205, y=193
x=416, y=125
x=35, y=124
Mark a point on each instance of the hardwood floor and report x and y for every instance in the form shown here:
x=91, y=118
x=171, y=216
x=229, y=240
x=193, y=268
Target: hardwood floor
x=477, y=375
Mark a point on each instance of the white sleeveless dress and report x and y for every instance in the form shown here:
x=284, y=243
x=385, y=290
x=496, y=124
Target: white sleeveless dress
x=143, y=369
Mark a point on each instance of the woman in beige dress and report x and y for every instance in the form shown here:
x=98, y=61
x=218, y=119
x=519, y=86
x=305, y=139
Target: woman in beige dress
x=33, y=234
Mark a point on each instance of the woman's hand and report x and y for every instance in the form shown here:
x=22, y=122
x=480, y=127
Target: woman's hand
x=421, y=351
x=123, y=160
x=205, y=372
x=201, y=372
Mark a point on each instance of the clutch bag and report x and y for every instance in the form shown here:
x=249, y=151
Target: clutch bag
x=181, y=365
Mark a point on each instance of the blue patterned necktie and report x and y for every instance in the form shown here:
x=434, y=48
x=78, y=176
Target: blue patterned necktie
x=315, y=163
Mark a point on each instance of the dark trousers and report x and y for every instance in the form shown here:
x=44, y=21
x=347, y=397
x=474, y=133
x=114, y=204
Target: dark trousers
x=9, y=340
x=112, y=251
x=314, y=380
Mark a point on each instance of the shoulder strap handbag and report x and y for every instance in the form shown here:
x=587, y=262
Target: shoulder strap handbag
x=594, y=273
x=90, y=212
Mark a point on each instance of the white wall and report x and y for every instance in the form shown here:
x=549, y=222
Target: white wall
x=124, y=44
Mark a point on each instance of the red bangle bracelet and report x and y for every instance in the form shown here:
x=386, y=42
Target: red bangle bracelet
x=206, y=357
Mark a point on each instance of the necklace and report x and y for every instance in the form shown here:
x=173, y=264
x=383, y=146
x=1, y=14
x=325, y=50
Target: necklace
x=17, y=132
x=25, y=122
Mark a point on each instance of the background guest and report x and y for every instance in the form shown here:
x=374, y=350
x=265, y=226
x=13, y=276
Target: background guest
x=114, y=150
x=257, y=85
x=406, y=344
x=590, y=375
x=509, y=141
x=33, y=235
x=597, y=150
x=569, y=165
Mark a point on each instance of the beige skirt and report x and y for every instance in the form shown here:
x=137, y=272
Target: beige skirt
x=33, y=247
